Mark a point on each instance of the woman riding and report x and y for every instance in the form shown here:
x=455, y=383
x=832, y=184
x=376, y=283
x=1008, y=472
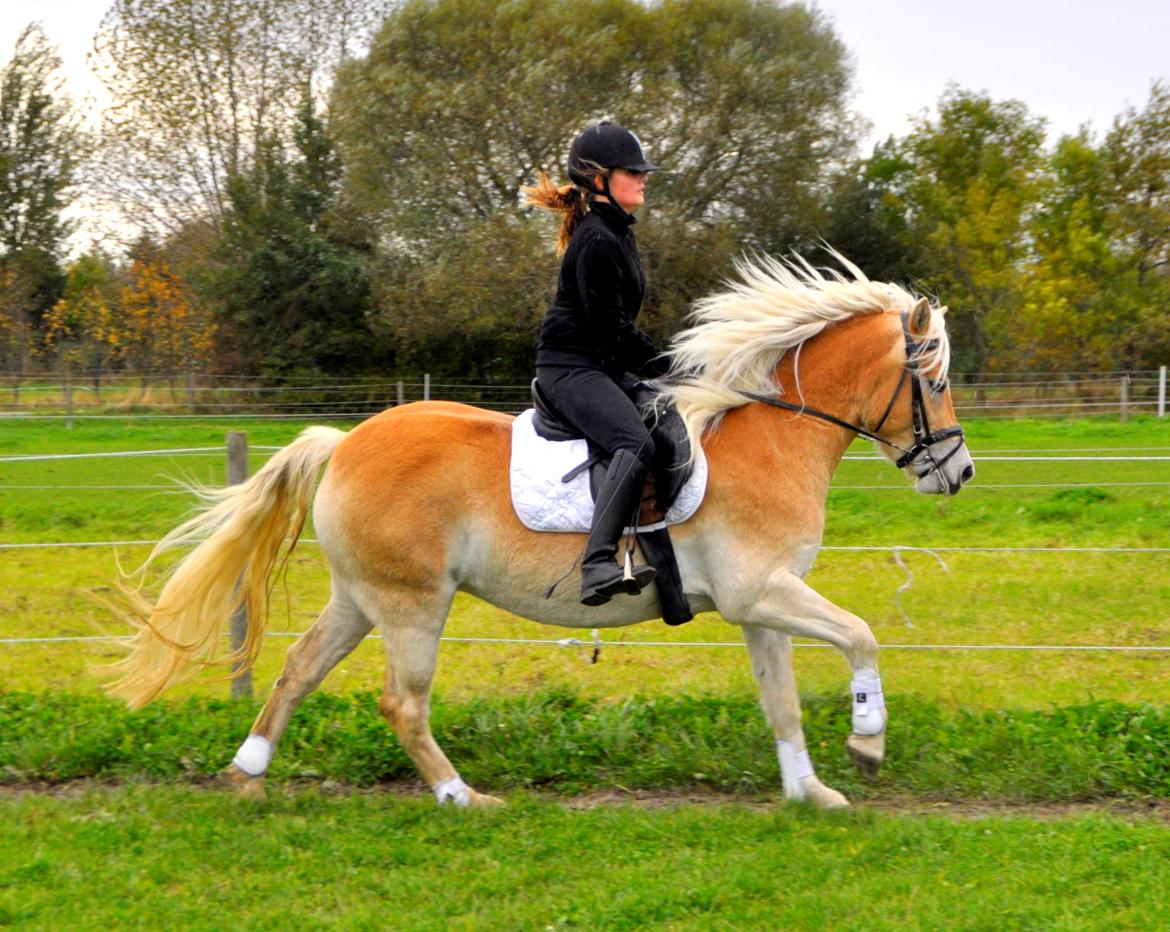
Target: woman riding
x=591, y=355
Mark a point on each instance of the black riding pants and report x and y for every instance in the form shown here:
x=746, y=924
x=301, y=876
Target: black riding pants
x=599, y=407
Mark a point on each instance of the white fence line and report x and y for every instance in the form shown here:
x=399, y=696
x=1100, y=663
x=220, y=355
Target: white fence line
x=885, y=548
x=598, y=643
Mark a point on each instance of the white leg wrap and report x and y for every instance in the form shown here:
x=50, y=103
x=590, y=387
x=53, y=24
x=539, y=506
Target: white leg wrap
x=453, y=790
x=869, y=706
x=795, y=765
x=254, y=755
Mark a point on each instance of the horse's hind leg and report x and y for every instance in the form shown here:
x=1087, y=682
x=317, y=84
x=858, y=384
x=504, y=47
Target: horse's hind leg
x=771, y=658
x=335, y=633
x=411, y=626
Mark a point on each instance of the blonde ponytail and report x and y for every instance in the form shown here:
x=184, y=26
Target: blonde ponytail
x=566, y=199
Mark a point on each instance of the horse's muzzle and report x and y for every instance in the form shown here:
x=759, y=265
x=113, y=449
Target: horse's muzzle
x=943, y=468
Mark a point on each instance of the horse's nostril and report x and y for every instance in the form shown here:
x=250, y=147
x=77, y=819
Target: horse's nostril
x=968, y=472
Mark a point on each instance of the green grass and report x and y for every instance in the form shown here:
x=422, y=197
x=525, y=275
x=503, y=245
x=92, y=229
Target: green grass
x=984, y=598
x=523, y=720
x=570, y=744
x=182, y=857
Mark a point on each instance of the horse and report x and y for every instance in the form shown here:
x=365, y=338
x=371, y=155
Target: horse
x=776, y=376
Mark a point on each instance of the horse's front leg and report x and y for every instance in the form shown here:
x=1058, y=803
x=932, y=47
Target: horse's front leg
x=771, y=658
x=787, y=604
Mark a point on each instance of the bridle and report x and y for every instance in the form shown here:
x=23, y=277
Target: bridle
x=924, y=436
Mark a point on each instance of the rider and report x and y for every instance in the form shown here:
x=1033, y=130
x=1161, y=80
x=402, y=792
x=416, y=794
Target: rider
x=590, y=353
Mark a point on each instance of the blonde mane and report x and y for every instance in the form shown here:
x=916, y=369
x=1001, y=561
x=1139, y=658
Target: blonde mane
x=739, y=335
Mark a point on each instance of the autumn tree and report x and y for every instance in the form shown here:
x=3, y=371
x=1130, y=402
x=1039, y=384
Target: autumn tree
x=82, y=329
x=162, y=327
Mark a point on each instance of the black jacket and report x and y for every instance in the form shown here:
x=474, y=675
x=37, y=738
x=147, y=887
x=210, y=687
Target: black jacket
x=599, y=294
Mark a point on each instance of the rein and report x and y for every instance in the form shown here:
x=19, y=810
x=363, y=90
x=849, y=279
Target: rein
x=924, y=436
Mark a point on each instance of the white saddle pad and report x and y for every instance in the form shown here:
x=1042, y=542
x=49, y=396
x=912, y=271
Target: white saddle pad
x=544, y=503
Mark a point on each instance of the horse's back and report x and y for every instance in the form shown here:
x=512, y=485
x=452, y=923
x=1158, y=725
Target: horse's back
x=413, y=477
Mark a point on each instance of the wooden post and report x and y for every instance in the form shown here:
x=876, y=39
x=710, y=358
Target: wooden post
x=68, y=397
x=401, y=392
x=1124, y=398
x=427, y=387
x=237, y=472
x=1162, y=391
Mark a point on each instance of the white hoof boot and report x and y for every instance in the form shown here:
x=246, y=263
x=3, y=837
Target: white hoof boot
x=869, y=705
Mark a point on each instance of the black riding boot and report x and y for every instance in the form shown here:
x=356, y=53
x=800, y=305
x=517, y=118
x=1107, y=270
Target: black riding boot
x=616, y=508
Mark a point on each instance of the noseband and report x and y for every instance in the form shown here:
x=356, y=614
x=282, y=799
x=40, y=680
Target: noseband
x=924, y=436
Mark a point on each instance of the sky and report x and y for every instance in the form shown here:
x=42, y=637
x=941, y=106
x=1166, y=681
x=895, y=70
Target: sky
x=1070, y=61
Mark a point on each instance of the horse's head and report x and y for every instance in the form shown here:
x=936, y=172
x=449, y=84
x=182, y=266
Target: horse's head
x=916, y=425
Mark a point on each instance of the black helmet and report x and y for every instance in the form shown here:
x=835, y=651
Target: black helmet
x=608, y=145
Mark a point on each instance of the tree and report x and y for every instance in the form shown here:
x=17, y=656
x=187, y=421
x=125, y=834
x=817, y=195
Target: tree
x=1070, y=309
x=39, y=152
x=459, y=103
x=1137, y=153
x=82, y=328
x=291, y=286
x=962, y=186
x=39, y=149
x=199, y=85
x=162, y=326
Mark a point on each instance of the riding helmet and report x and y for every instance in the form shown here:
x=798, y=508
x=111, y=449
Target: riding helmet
x=608, y=145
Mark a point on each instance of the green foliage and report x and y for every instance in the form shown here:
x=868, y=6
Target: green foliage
x=563, y=742
x=958, y=188
x=291, y=287
x=460, y=103
x=39, y=144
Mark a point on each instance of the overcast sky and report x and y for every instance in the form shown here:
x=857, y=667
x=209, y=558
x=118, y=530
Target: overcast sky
x=1071, y=61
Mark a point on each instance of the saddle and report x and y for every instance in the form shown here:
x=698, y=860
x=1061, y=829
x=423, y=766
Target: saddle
x=664, y=480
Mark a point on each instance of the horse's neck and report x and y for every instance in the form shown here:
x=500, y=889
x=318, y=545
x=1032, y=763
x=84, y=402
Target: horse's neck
x=836, y=373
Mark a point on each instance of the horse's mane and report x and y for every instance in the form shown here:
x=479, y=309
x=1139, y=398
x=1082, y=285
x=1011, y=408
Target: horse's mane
x=739, y=334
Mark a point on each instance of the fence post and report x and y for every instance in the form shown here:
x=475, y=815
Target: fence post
x=1162, y=391
x=68, y=397
x=1124, y=398
x=426, y=386
x=237, y=472
x=401, y=392
x=191, y=400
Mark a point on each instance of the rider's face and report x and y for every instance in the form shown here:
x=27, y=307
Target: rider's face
x=627, y=188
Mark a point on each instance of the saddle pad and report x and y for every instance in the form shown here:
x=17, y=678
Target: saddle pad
x=544, y=503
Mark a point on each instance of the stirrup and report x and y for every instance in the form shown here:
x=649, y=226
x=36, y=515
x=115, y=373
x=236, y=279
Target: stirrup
x=631, y=580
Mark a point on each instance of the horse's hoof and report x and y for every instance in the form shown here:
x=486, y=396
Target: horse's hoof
x=867, y=751
x=482, y=800
x=821, y=796
x=247, y=787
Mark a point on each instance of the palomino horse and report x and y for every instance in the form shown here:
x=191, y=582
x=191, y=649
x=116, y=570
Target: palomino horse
x=414, y=506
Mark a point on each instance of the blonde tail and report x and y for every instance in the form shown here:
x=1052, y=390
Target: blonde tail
x=240, y=533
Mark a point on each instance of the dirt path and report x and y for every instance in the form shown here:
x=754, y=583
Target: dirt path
x=958, y=809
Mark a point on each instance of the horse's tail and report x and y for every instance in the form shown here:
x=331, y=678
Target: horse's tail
x=241, y=531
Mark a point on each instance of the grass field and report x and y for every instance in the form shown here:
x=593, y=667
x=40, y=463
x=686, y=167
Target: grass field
x=172, y=854
x=180, y=858
x=989, y=598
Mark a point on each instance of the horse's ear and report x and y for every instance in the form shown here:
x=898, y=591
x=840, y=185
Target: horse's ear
x=920, y=317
